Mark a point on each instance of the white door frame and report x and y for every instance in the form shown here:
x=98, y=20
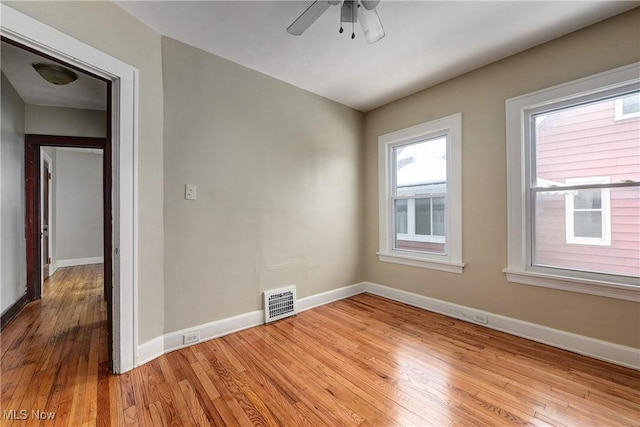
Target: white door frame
x=46, y=159
x=34, y=34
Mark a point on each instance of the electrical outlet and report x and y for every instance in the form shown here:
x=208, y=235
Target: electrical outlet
x=191, y=337
x=480, y=318
x=190, y=192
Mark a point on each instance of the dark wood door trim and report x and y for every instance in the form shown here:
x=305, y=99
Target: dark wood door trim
x=33, y=143
x=33, y=182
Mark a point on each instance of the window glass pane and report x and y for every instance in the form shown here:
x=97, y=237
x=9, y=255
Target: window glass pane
x=423, y=216
x=594, y=230
x=617, y=251
x=421, y=168
x=420, y=171
x=587, y=224
x=586, y=141
x=401, y=216
x=631, y=104
x=588, y=199
x=438, y=216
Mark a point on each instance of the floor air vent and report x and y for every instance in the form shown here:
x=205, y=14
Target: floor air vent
x=279, y=303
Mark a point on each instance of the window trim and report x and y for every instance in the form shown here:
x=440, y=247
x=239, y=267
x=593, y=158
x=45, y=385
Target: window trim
x=451, y=261
x=605, y=209
x=519, y=268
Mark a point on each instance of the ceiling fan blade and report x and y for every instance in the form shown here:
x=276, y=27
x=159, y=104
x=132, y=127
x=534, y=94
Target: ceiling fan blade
x=369, y=4
x=308, y=17
x=371, y=25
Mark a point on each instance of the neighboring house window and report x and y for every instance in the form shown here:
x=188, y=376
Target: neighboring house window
x=627, y=107
x=420, y=195
x=574, y=186
x=588, y=213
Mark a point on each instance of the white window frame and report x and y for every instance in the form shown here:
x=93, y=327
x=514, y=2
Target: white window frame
x=519, y=268
x=605, y=209
x=411, y=234
x=451, y=261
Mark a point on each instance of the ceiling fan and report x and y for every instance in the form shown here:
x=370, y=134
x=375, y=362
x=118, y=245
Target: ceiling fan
x=350, y=12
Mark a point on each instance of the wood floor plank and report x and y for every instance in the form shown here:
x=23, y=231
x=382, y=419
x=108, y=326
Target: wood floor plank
x=363, y=361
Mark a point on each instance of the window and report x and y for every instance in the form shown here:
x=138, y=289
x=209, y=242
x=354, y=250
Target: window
x=574, y=186
x=588, y=213
x=627, y=107
x=419, y=190
x=420, y=195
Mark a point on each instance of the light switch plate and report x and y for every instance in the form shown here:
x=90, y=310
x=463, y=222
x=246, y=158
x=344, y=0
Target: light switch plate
x=190, y=192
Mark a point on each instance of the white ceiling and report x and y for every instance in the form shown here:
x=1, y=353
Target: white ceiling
x=426, y=42
x=86, y=92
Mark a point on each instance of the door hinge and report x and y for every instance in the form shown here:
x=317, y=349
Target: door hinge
x=49, y=260
x=49, y=175
x=116, y=251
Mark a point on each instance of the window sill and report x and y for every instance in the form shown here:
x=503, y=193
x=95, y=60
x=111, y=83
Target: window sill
x=414, y=261
x=586, y=286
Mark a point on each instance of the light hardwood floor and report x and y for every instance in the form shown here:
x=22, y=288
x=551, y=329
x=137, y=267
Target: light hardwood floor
x=363, y=361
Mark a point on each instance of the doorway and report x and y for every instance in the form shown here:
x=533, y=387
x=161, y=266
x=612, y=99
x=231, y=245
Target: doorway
x=21, y=29
x=36, y=233
x=46, y=226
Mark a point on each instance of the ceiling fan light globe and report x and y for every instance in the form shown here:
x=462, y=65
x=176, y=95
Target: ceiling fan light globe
x=55, y=74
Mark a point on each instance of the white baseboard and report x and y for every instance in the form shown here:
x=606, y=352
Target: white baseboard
x=174, y=340
x=317, y=300
x=610, y=352
x=52, y=268
x=150, y=350
x=79, y=261
x=598, y=349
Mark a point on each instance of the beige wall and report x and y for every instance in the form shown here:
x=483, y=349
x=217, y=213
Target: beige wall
x=44, y=120
x=480, y=96
x=278, y=171
x=13, y=263
x=48, y=120
x=78, y=200
x=105, y=26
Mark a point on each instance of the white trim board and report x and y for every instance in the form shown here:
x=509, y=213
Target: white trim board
x=53, y=267
x=597, y=349
x=46, y=159
x=208, y=331
x=79, y=261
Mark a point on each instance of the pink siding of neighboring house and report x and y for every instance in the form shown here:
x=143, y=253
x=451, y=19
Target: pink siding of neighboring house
x=589, y=143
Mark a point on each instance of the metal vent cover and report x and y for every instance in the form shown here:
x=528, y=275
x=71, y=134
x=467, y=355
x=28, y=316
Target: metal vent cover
x=280, y=303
